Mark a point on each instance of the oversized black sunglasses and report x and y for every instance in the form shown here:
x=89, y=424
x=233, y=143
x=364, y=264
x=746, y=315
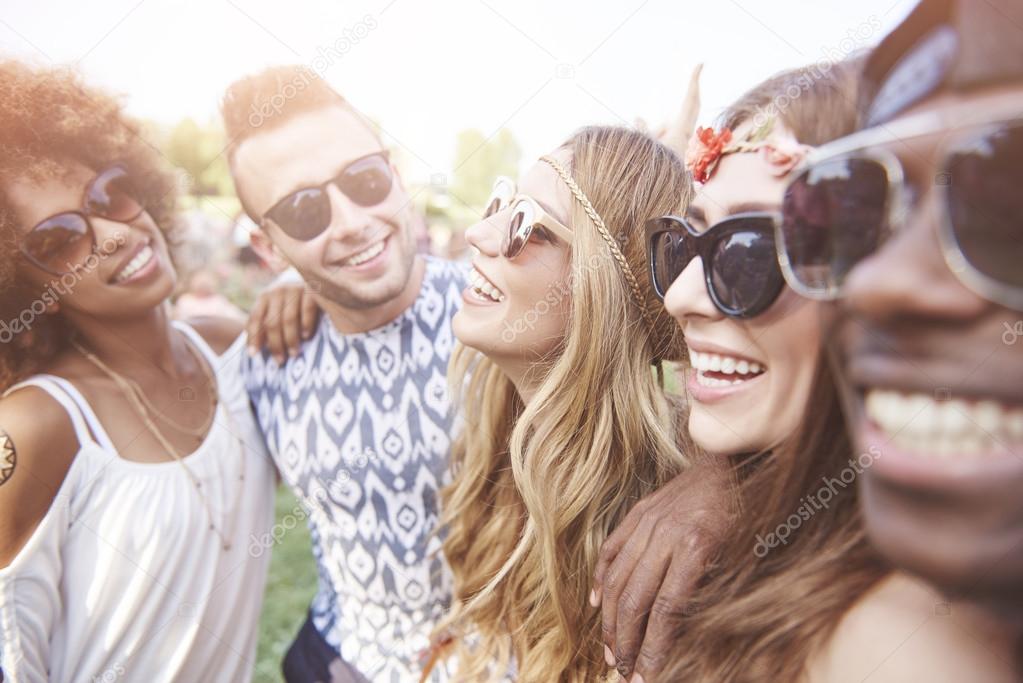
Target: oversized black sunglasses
x=740, y=262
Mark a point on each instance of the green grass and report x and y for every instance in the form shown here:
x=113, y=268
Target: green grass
x=289, y=588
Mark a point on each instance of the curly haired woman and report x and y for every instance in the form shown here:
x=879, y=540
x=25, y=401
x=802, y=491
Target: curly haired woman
x=131, y=463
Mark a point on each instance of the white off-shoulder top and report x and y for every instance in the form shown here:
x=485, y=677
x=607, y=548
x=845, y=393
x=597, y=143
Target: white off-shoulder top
x=123, y=579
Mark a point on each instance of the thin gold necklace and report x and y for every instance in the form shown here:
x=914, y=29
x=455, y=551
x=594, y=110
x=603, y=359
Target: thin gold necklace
x=136, y=390
x=202, y=429
x=125, y=387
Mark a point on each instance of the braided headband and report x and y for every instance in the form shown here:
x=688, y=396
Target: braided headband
x=581, y=197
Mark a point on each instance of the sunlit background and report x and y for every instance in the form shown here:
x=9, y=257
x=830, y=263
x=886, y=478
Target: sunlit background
x=462, y=91
x=425, y=71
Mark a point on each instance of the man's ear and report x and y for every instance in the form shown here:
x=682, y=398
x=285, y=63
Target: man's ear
x=268, y=251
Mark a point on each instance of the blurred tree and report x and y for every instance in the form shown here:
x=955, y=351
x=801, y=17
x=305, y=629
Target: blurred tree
x=478, y=161
x=197, y=151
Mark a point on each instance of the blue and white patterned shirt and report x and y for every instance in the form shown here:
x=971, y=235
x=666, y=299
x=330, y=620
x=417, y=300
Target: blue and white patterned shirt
x=360, y=426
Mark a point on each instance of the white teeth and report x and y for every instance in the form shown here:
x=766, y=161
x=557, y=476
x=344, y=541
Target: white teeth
x=920, y=424
x=712, y=362
x=741, y=370
x=988, y=415
x=136, y=264
x=705, y=381
x=366, y=255
x=954, y=416
x=483, y=287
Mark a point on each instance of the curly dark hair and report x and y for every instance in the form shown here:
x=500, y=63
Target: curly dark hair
x=49, y=118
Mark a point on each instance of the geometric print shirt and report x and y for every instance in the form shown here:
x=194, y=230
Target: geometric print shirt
x=360, y=427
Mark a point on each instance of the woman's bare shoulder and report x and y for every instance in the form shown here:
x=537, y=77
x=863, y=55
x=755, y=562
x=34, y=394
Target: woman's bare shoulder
x=37, y=446
x=904, y=630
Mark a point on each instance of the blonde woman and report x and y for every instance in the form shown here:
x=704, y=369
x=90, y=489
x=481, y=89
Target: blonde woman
x=566, y=422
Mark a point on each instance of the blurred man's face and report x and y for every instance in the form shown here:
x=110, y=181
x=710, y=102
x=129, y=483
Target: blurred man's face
x=363, y=256
x=936, y=384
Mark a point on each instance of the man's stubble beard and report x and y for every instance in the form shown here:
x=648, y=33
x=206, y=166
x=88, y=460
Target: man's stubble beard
x=349, y=298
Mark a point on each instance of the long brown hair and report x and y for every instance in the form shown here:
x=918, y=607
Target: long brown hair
x=797, y=560
x=538, y=487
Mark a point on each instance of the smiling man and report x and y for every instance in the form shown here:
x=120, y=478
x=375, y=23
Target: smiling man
x=359, y=422
x=916, y=225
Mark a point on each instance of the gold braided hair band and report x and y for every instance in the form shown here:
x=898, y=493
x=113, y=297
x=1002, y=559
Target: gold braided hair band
x=602, y=229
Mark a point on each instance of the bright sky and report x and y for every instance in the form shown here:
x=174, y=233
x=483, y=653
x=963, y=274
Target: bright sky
x=426, y=70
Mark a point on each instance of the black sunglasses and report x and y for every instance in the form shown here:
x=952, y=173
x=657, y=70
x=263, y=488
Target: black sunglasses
x=304, y=214
x=853, y=194
x=63, y=242
x=740, y=262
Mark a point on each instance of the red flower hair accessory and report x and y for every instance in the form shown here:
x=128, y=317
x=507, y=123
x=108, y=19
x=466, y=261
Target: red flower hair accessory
x=705, y=149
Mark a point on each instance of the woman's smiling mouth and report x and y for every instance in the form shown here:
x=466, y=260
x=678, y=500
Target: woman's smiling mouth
x=717, y=374
x=483, y=289
x=720, y=370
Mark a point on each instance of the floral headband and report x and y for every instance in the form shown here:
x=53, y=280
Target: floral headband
x=780, y=149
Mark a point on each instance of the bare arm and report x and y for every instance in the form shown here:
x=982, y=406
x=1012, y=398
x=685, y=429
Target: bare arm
x=37, y=446
x=649, y=566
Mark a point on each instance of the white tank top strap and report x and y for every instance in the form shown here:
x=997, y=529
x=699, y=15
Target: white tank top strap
x=87, y=427
x=211, y=357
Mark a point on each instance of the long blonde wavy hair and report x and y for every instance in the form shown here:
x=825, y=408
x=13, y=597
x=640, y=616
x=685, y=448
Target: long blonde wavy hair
x=538, y=487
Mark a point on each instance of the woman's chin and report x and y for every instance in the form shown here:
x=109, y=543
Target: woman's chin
x=714, y=436
x=469, y=332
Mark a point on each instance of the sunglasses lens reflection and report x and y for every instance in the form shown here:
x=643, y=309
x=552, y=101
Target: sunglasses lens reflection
x=833, y=216
x=303, y=215
x=58, y=242
x=367, y=182
x=985, y=204
x=744, y=274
